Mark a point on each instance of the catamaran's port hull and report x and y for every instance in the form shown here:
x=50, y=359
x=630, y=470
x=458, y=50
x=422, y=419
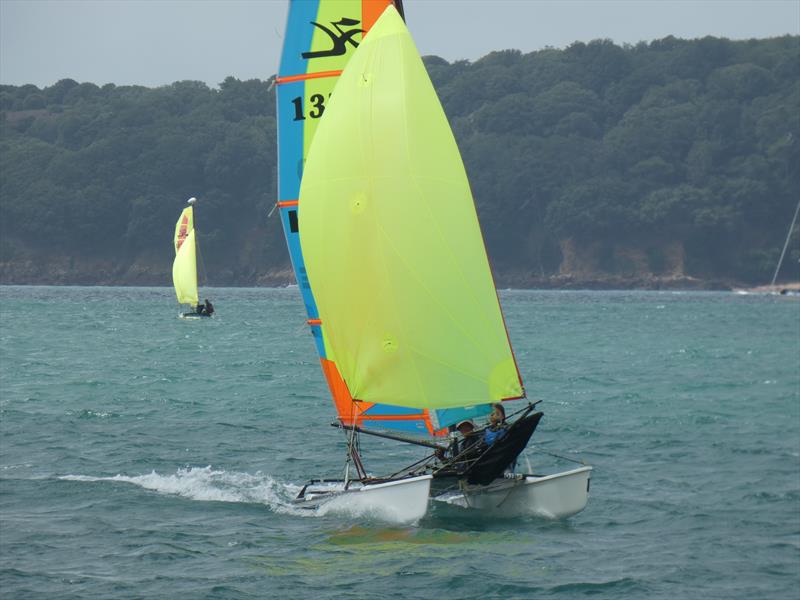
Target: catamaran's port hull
x=553, y=496
x=192, y=315
x=401, y=500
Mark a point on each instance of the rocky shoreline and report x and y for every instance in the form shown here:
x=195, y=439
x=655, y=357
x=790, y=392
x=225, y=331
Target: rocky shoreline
x=98, y=272
x=602, y=281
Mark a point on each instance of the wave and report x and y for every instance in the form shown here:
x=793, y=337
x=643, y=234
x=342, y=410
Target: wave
x=210, y=485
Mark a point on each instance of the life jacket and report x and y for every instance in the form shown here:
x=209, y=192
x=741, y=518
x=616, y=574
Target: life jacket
x=491, y=435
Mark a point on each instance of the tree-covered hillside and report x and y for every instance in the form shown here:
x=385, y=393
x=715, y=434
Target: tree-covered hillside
x=673, y=159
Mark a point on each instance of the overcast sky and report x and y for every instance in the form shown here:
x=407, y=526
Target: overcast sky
x=156, y=42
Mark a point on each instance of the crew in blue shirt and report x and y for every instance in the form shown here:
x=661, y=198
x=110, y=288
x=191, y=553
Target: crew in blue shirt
x=497, y=425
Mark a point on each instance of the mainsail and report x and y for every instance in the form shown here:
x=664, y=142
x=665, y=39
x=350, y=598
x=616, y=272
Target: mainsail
x=321, y=38
x=184, y=268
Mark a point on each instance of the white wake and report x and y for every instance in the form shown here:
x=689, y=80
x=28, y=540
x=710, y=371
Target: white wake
x=210, y=485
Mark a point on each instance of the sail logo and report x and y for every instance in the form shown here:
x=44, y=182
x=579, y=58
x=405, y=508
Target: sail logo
x=339, y=38
x=183, y=231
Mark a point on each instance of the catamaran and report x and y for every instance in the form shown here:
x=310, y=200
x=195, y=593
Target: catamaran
x=184, y=267
x=390, y=260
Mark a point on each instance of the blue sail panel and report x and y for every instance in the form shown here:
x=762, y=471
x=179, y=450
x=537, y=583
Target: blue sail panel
x=446, y=417
x=298, y=36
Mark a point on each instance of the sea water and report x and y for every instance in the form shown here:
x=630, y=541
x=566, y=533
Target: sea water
x=145, y=456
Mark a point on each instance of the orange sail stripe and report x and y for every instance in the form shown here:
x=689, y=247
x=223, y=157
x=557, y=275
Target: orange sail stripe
x=341, y=395
x=283, y=203
x=306, y=76
x=429, y=424
x=314, y=321
x=351, y=412
x=416, y=417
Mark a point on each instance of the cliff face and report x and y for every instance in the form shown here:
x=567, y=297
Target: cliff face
x=589, y=260
x=648, y=265
x=653, y=264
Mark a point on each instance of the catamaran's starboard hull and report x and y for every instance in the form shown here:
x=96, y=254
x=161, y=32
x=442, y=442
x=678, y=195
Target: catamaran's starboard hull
x=401, y=500
x=192, y=315
x=553, y=496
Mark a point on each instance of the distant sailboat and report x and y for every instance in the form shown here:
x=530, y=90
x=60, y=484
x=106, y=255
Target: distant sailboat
x=184, y=267
x=786, y=289
x=390, y=259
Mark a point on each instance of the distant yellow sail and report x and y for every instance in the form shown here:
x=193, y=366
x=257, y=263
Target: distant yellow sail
x=184, y=268
x=391, y=240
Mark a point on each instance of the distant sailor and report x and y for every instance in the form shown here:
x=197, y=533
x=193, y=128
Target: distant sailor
x=209, y=308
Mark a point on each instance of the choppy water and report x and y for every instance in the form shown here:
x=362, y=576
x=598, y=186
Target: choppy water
x=143, y=456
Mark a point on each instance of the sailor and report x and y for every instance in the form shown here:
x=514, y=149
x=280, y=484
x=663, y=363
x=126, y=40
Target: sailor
x=199, y=308
x=497, y=425
x=467, y=429
x=209, y=308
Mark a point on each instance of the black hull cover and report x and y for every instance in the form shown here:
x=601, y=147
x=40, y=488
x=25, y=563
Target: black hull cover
x=493, y=461
x=503, y=452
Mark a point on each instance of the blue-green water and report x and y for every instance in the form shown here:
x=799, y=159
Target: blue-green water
x=144, y=456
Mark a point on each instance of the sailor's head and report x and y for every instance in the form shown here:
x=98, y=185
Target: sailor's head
x=464, y=427
x=498, y=413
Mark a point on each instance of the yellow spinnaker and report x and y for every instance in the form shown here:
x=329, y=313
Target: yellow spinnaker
x=184, y=268
x=391, y=240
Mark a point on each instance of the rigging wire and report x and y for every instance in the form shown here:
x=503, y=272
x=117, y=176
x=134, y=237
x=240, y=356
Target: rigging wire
x=553, y=454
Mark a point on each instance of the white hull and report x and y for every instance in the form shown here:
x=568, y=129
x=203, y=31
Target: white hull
x=554, y=496
x=402, y=500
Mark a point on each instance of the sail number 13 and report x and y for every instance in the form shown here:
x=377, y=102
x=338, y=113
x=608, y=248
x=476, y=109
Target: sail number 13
x=317, y=107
